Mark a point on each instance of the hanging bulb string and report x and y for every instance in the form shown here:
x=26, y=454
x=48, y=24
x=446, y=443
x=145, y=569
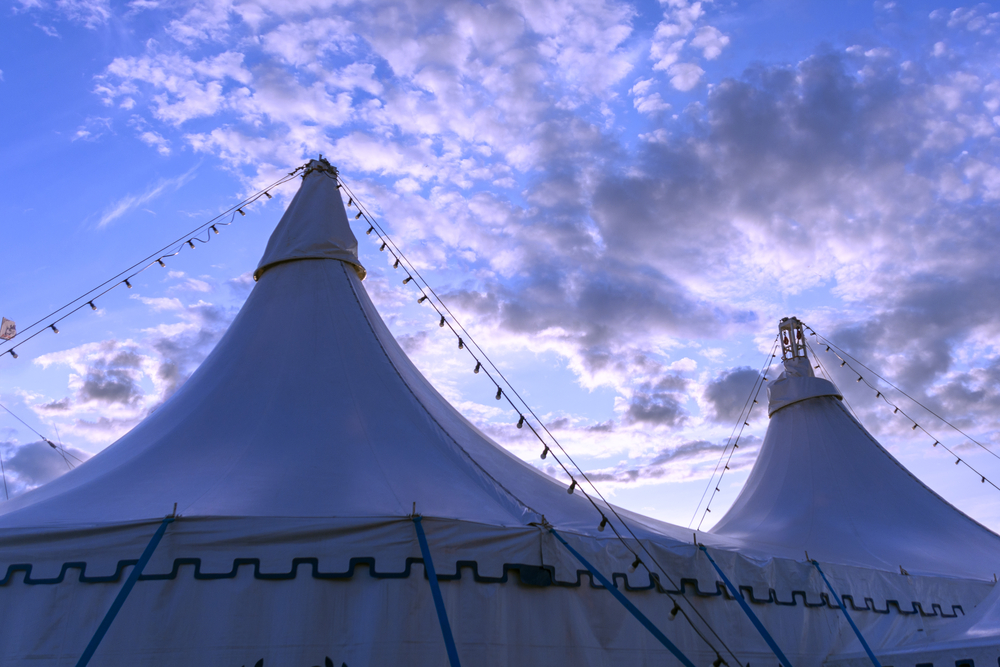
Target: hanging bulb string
x=931, y=412
x=740, y=425
x=826, y=372
x=94, y=297
x=896, y=409
x=441, y=308
x=157, y=257
x=736, y=433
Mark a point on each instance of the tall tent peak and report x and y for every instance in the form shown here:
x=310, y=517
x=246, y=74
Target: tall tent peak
x=315, y=224
x=797, y=382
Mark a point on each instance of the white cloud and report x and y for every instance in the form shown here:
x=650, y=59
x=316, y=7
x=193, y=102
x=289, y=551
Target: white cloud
x=710, y=40
x=130, y=203
x=684, y=76
x=155, y=140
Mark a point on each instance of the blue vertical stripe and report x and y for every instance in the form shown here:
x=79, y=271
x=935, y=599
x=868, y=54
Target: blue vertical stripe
x=116, y=606
x=425, y=551
x=746, y=609
x=627, y=604
x=836, y=597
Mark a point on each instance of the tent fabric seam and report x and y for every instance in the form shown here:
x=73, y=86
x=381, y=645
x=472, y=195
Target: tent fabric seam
x=424, y=408
x=358, y=268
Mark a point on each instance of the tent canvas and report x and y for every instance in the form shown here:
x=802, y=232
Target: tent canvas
x=296, y=457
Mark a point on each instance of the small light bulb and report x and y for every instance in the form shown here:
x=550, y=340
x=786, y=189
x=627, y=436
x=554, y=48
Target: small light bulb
x=13, y=354
x=461, y=344
x=441, y=323
x=240, y=211
x=476, y=369
x=191, y=243
x=382, y=249
x=545, y=452
x=268, y=195
x=350, y=201
x=395, y=264
x=53, y=327
x=572, y=487
x=128, y=284
x=214, y=229
x=635, y=564
x=673, y=615
x=92, y=306
x=369, y=232
x=520, y=422
x=160, y=262
x=422, y=299
x=499, y=393
x=407, y=279
x=604, y=522
x=358, y=215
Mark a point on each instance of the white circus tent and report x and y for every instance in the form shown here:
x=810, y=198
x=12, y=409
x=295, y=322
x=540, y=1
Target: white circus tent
x=823, y=484
x=291, y=468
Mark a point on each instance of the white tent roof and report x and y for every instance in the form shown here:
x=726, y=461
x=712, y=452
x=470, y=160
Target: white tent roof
x=823, y=484
x=314, y=226
x=307, y=407
x=296, y=452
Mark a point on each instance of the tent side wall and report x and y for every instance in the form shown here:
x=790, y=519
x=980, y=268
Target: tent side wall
x=225, y=591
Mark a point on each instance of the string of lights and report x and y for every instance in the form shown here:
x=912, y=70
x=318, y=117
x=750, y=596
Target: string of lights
x=845, y=361
x=526, y=416
x=931, y=412
x=125, y=277
x=820, y=366
x=744, y=422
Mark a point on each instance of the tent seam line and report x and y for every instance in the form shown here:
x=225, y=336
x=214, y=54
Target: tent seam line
x=424, y=407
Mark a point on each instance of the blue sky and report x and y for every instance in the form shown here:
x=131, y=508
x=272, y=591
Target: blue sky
x=620, y=200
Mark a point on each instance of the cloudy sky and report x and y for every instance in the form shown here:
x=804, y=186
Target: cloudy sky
x=620, y=199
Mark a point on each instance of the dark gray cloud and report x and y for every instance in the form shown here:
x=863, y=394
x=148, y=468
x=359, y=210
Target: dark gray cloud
x=110, y=386
x=36, y=463
x=117, y=383
x=659, y=409
x=413, y=343
x=728, y=395
x=693, y=459
x=659, y=402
